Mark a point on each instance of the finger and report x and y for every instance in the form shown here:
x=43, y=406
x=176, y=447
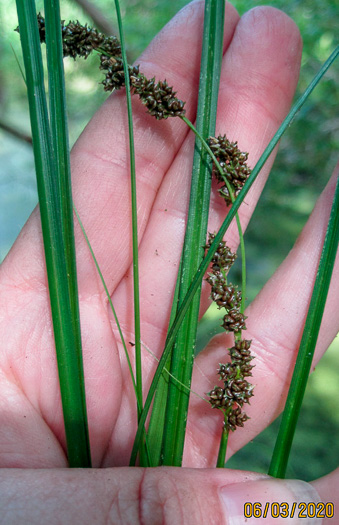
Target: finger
x=26, y=441
x=327, y=488
x=100, y=158
x=132, y=496
x=259, y=76
x=275, y=324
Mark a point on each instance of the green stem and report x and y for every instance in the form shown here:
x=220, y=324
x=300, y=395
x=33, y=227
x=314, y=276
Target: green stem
x=109, y=299
x=223, y=445
x=157, y=420
x=307, y=345
x=195, y=237
x=112, y=309
x=144, y=459
x=138, y=367
x=243, y=268
x=59, y=129
x=56, y=253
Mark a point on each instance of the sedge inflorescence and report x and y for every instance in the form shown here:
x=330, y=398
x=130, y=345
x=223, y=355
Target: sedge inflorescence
x=236, y=390
x=158, y=97
x=80, y=40
x=233, y=164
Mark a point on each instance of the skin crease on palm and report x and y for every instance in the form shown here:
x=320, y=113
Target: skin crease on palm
x=260, y=69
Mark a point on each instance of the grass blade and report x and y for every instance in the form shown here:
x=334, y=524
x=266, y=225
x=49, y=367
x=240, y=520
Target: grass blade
x=204, y=264
x=112, y=309
x=307, y=345
x=59, y=134
x=134, y=211
x=109, y=300
x=196, y=231
x=18, y=64
x=65, y=341
x=144, y=459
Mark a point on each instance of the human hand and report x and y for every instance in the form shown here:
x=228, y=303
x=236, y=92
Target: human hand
x=259, y=75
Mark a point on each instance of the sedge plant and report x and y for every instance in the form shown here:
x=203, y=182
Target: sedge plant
x=162, y=442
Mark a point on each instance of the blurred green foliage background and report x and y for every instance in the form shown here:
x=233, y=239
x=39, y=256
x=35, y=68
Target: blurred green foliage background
x=307, y=156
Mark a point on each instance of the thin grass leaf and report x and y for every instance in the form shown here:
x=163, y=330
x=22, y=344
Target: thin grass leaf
x=59, y=134
x=307, y=345
x=109, y=299
x=134, y=211
x=18, y=64
x=71, y=386
x=144, y=457
x=168, y=373
x=111, y=306
x=204, y=264
x=196, y=231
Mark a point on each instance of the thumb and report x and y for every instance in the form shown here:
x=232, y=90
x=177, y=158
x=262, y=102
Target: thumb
x=173, y=496
x=270, y=500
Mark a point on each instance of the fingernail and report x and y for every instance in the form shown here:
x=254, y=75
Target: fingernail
x=267, y=501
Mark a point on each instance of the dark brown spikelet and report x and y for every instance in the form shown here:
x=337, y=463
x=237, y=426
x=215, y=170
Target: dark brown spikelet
x=236, y=390
x=80, y=40
x=241, y=355
x=223, y=258
x=224, y=295
x=233, y=164
x=41, y=26
x=158, y=97
x=219, y=398
x=236, y=418
x=111, y=46
x=225, y=371
x=234, y=321
x=114, y=72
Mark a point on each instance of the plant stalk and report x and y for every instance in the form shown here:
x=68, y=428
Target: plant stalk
x=307, y=345
x=195, y=238
x=63, y=307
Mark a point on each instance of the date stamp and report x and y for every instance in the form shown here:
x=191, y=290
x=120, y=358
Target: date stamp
x=288, y=510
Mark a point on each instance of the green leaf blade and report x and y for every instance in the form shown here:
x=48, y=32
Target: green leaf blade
x=196, y=231
x=74, y=409
x=307, y=345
